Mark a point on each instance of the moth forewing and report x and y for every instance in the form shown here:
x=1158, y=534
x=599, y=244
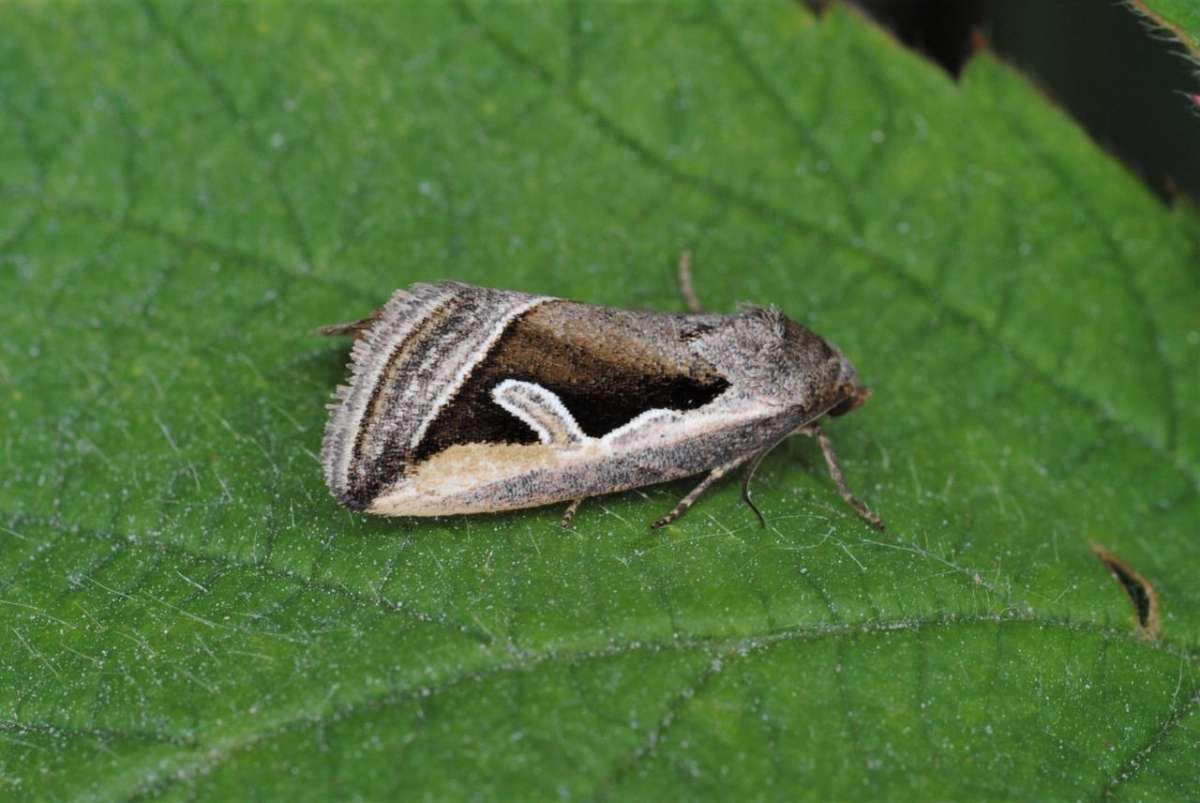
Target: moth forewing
x=464, y=399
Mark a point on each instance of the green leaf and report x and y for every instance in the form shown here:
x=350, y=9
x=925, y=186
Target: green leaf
x=1181, y=17
x=189, y=189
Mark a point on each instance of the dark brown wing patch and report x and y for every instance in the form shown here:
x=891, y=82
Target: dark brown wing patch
x=607, y=366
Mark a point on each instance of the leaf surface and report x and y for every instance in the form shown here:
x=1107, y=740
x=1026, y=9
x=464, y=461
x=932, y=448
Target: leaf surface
x=188, y=190
x=1179, y=16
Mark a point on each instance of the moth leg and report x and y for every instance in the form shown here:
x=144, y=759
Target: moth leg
x=835, y=471
x=686, y=288
x=690, y=499
x=758, y=458
x=569, y=514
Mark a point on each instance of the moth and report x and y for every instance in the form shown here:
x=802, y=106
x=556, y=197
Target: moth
x=465, y=399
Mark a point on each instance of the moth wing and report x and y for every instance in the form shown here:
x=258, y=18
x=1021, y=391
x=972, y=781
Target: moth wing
x=543, y=411
x=592, y=369
x=418, y=350
x=425, y=371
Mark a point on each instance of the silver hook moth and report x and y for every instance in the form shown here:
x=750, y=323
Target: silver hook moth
x=465, y=399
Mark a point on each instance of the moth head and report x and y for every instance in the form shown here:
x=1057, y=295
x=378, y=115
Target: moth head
x=846, y=393
x=828, y=380
x=784, y=362
x=853, y=397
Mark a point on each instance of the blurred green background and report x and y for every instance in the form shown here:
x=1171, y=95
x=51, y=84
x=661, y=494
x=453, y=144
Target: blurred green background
x=1125, y=71
x=188, y=189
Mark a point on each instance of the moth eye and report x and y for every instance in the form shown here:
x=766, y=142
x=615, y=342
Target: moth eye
x=856, y=398
x=845, y=406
